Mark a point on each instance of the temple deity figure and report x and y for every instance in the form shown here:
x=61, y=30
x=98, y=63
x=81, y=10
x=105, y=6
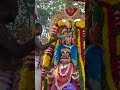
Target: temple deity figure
x=65, y=75
x=66, y=56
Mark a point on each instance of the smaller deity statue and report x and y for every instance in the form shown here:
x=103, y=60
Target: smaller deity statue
x=65, y=74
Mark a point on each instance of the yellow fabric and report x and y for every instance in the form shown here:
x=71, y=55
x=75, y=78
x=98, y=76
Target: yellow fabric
x=43, y=86
x=110, y=81
x=61, y=23
x=54, y=43
x=27, y=79
x=80, y=24
x=46, y=60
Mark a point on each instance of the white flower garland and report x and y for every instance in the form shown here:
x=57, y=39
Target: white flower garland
x=62, y=67
x=56, y=80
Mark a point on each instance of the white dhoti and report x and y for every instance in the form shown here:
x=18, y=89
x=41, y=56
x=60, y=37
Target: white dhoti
x=38, y=79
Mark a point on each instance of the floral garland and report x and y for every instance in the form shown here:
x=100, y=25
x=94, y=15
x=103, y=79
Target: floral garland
x=68, y=79
x=62, y=67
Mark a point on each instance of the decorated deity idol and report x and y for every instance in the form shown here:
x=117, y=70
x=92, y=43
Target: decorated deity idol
x=65, y=74
x=69, y=42
x=67, y=22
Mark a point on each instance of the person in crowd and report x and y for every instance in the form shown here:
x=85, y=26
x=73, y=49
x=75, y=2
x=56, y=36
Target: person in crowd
x=9, y=47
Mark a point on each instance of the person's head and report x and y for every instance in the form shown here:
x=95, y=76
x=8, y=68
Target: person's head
x=38, y=29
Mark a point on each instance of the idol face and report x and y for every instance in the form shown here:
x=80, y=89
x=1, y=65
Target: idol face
x=68, y=31
x=65, y=55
